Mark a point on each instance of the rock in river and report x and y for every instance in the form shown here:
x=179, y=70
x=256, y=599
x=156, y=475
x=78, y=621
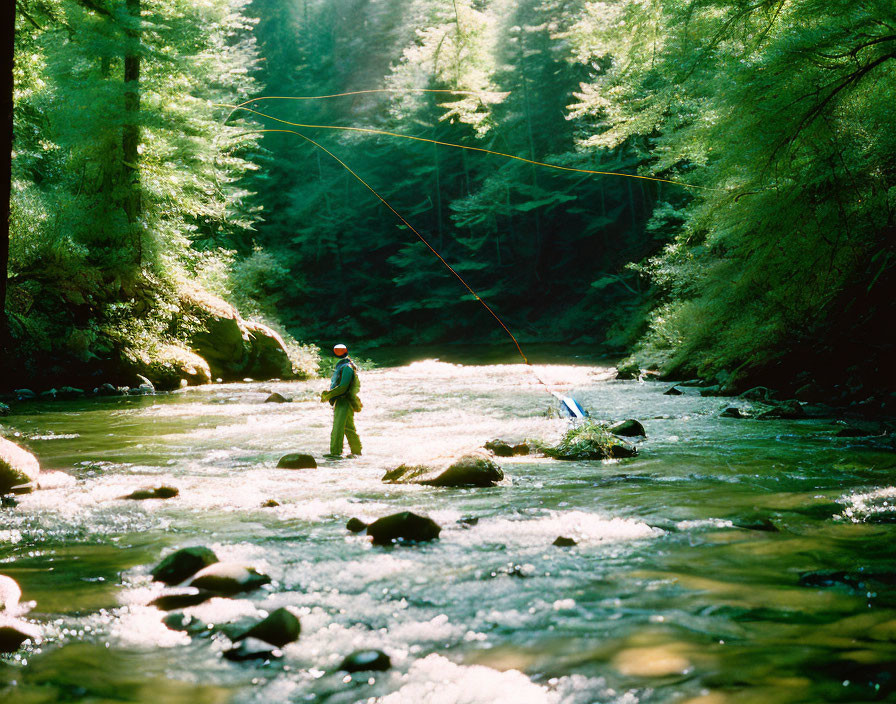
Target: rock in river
x=279, y=628
x=628, y=428
x=14, y=632
x=181, y=598
x=564, y=542
x=277, y=398
x=158, y=492
x=403, y=527
x=297, y=460
x=229, y=578
x=356, y=525
x=366, y=661
x=500, y=448
x=253, y=649
x=182, y=564
x=469, y=470
x=18, y=469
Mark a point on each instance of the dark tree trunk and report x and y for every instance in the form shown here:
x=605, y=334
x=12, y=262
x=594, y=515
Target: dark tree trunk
x=8, y=21
x=130, y=136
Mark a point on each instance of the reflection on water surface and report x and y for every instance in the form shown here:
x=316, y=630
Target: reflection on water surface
x=688, y=583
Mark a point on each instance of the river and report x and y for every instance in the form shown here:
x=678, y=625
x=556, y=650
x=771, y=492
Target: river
x=688, y=583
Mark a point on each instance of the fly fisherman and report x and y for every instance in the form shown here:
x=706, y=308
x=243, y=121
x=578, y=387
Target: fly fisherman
x=343, y=396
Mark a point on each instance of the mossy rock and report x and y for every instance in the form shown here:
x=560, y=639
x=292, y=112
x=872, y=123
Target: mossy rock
x=628, y=369
x=590, y=441
x=477, y=470
x=366, y=661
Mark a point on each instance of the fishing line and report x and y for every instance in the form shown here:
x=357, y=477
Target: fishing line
x=475, y=295
x=367, y=130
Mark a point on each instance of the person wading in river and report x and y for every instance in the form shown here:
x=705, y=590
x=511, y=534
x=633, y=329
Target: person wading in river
x=343, y=396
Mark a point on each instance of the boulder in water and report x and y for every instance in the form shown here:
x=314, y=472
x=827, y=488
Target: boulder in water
x=19, y=469
x=297, y=460
x=4, y=409
x=14, y=632
x=564, y=542
x=590, y=441
x=279, y=628
x=25, y=395
x=500, y=448
x=270, y=503
x=470, y=470
x=253, y=649
x=181, y=598
x=732, y=412
x=158, y=492
x=182, y=564
x=366, y=661
x=277, y=398
x=268, y=358
x=106, y=390
x=786, y=410
x=403, y=527
x=672, y=391
x=356, y=525
x=521, y=448
x=229, y=578
x=628, y=428
x=628, y=370
x=758, y=393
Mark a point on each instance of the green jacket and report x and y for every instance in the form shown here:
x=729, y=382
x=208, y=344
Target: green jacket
x=344, y=383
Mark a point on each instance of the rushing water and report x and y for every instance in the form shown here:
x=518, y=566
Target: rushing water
x=684, y=586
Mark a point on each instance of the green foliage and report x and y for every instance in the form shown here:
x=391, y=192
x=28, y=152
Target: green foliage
x=584, y=441
x=781, y=105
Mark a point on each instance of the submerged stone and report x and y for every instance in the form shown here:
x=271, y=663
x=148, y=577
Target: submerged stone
x=356, y=525
x=184, y=563
x=297, y=460
x=253, y=649
x=270, y=503
x=672, y=391
x=279, y=628
x=159, y=492
x=366, y=661
x=732, y=412
x=628, y=428
x=277, y=398
x=403, y=527
x=229, y=578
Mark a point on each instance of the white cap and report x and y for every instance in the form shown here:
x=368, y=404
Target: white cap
x=340, y=350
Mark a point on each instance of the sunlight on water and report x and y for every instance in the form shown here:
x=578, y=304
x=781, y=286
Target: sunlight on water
x=732, y=561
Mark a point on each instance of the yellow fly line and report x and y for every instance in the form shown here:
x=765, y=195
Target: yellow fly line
x=367, y=130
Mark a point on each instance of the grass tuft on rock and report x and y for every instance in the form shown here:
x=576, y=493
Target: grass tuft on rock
x=586, y=441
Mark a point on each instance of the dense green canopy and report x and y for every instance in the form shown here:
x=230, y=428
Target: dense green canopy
x=777, y=115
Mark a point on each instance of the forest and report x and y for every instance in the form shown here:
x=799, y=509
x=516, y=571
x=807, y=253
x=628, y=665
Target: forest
x=448, y=351
x=743, y=228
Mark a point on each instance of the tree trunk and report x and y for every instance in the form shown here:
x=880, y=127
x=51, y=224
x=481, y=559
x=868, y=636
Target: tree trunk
x=130, y=134
x=8, y=20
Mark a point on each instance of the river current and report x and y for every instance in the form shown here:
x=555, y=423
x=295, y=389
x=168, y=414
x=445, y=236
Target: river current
x=734, y=560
